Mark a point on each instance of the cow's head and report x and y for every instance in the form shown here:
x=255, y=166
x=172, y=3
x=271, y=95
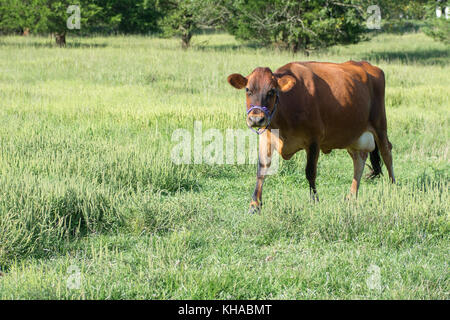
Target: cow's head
x=262, y=87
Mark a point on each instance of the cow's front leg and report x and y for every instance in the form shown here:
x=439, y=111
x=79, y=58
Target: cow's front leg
x=312, y=156
x=264, y=161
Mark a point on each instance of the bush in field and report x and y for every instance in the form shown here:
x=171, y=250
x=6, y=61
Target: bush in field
x=297, y=25
x=438, y=29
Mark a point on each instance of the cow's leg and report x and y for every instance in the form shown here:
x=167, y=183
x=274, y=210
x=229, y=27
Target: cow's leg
x=266, y=148
x=385, y=149
x=379, y=123
x=359, y=159
x=312, y=156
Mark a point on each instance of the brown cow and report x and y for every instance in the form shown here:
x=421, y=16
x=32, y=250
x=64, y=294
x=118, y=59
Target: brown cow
x=318, y=106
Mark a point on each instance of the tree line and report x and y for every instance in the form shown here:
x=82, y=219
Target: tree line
x=289, y=24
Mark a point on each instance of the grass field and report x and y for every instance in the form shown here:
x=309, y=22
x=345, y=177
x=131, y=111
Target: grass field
x=92, y=207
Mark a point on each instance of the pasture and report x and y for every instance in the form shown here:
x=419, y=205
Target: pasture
x=88, y=188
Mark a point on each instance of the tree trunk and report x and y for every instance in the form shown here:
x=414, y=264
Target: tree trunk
x=294, y=47
x=185, y=40
x=300, y=44
x=60, y=38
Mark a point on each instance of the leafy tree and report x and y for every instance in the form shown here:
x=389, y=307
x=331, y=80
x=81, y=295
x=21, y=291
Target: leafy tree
x=184, y=17
x=18, y=16
x=400, y=9
x=297, y=25
x=127, y=16
x=58, y=15
x=42, y=16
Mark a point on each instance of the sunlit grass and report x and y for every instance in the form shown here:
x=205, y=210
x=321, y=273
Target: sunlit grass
x=86, y=178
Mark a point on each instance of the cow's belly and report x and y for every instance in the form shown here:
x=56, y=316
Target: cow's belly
x=365, y=142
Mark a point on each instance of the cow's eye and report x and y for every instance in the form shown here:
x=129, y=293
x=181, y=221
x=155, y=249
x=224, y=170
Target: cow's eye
x=248, y=91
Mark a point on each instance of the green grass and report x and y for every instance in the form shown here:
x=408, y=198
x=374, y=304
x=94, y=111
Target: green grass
x=86, y=178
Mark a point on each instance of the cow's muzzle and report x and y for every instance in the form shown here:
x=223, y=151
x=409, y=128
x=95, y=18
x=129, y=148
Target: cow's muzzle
x=257, y=118
x=260, y=116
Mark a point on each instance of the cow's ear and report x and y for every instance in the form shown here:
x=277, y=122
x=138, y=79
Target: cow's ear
x=285, y=83
x=237, y=80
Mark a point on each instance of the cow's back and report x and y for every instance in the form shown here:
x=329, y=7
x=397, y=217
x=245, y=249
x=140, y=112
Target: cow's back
x=335, y=100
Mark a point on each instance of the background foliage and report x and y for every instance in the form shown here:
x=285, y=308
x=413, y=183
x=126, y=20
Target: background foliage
x=290, y=24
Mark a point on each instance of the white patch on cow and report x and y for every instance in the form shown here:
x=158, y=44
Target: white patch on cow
x=364, y=143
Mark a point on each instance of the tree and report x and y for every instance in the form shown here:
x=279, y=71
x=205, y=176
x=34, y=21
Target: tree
x=60, y=12
x=18, y=16
x=297, y=25
x=42, y=16
x=400, y=9
x=183, y=17
x=127, y=16
x=105, y=16
x=180, y=19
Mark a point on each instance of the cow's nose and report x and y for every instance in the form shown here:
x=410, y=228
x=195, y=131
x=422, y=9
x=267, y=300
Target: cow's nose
x=256, y=120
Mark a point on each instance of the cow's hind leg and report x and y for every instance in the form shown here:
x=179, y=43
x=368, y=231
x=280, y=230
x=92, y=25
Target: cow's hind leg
x=312, y=156
x=385, y=149
x=359, y=159
x=379, y=123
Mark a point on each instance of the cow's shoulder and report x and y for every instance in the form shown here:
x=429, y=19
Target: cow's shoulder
x=300, y=69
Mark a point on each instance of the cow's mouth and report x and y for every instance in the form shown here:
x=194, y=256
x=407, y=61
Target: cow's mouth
x=256, y=121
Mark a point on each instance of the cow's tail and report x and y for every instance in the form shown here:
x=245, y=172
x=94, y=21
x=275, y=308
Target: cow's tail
x=376, y=163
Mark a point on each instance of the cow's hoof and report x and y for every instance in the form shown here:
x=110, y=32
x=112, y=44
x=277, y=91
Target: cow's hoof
x=314, y=198
x=350, y=197
x=254, y=208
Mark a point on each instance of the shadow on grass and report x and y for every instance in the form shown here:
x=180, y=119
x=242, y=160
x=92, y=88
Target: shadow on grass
x=432, y=182
x=48, y=44
x=205, y=46
x=420, y=56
